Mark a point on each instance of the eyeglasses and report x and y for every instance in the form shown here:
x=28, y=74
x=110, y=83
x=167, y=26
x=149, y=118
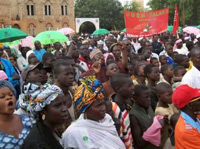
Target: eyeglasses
x=195, y=99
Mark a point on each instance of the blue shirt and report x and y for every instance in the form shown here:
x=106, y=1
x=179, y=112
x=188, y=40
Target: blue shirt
x=39, y=53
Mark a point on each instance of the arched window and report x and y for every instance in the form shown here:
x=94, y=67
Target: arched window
x=64, y=8
x=49, y=27
x=31, y=29
x=65, y=25
x=47, y=9
x=30, y=7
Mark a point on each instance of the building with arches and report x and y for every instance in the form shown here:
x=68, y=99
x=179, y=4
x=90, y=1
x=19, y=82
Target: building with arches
x=35, y=16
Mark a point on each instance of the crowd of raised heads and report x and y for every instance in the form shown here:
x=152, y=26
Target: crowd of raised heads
x=102, y=92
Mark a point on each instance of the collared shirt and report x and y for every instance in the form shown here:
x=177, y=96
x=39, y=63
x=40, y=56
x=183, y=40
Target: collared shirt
x=192, y=78
x=187, y=133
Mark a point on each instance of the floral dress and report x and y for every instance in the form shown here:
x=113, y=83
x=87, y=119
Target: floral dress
x=9, y=141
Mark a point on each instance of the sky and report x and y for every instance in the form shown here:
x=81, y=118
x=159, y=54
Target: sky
x=124, y=1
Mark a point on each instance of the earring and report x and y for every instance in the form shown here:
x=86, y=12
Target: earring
x=43, y=117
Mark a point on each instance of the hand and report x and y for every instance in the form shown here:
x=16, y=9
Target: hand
x=96, y=66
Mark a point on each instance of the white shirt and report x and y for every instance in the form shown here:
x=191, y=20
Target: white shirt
x=192, y=78
x=183, y=50
x=21, y=63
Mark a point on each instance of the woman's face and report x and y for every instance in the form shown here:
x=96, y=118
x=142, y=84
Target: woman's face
x=97, y=110
x=57, y=112
x=116, y=52
x=12, y=60
x=110, y=59
x=7, y=101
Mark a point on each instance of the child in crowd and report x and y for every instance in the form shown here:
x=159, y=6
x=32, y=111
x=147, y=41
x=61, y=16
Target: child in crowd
x=153, y=76
x=167, y=73
x=169, y=50
x=123, y=86
x=165, y=108
x=140, y=77
x=142, y=116
x=111, y=69
x=154, y=61
x=162, y=60
x=182, y=60
x=179, y=72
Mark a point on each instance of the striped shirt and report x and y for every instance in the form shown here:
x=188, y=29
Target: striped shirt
x=125, y=131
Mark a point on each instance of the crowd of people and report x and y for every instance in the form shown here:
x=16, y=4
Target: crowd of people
x=102, y=92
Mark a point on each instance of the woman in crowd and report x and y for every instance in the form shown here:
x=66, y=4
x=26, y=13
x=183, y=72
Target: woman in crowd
x=13, y=128
x=94, y=128
x=50, y=109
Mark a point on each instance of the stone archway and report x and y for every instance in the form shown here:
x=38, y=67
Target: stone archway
x=80, y=21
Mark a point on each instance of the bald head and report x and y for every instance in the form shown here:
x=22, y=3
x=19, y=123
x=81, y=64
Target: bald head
x=195, y=57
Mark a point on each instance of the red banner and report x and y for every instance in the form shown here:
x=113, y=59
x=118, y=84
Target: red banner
x=144, y=24
x=176, y=21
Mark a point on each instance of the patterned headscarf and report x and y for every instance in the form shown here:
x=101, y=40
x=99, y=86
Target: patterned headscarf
x=49, y=94
x=4, y=83
x=90, y=90
x=29, y=93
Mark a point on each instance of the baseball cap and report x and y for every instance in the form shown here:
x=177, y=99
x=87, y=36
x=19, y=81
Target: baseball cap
x=185, y=94
x=29, y=69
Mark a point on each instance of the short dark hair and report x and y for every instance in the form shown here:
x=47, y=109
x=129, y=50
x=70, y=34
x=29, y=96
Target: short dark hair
x=177, y=68
x=139, y=88
x=46, y=56
x=164, y=68
x=12, y=55
x=118, y=79
x=180, y=58
x=57, y=65
x=148, y=69
x=153, y=58
x=160, y=87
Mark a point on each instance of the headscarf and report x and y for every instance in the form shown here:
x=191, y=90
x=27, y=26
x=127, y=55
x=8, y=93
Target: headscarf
x=29, y=53
x=4, y=83
x=90, y=90
x=3, y=75
x=49, y=94
x=29, y=93
x=94, y=52
x=175, y=45
x=106, y=56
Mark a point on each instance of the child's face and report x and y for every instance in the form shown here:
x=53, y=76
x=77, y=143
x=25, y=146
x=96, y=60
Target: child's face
x=144, y=99
x=163, y=60
x=181, y=73
x=155, y=74
x=166, y=96
x=127, y=89
x=170, y=72
x=112, y=69
x=155, y=62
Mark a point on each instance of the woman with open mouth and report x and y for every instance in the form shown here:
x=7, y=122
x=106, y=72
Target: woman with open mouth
x=50, y=110
x=13, y=128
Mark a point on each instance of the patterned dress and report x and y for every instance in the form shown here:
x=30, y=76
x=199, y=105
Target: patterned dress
x=9, y=141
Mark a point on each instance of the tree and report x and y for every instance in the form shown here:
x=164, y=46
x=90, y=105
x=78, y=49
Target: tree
x=188, y=10
x=108, y=11
x=132, y=6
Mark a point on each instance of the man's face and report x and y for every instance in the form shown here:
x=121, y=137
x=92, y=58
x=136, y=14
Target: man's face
x=37, y=45
x=34, y=76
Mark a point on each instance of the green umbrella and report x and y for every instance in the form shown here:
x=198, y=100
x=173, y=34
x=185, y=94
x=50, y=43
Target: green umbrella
x=170, y=28
x=124, y=30
x=50, y=37
x=11, y=43
x=198, y=26
x=11, y=34
x=101, y=31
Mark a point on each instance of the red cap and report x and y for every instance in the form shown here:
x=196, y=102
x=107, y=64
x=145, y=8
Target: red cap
x=184, y=94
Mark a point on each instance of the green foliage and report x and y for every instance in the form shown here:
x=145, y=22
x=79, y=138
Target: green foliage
x=108, y=11
x=132, y=6
x=188, y=8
